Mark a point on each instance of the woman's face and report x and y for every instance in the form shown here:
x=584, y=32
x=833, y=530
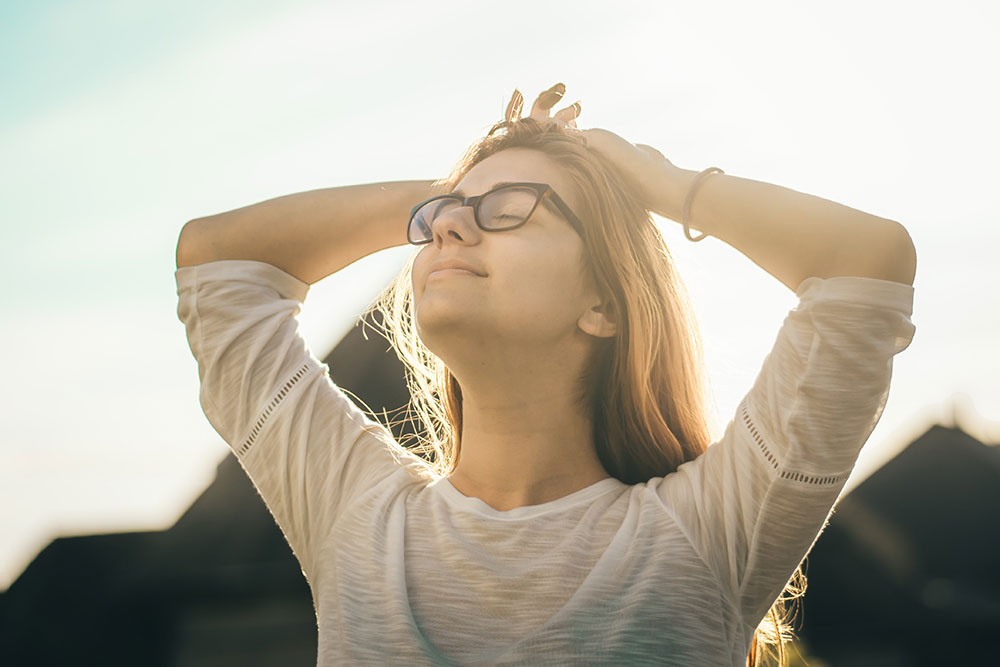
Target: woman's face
x=534, y=284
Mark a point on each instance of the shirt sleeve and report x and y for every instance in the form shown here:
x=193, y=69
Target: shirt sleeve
x=307, y=448
x=755, y=502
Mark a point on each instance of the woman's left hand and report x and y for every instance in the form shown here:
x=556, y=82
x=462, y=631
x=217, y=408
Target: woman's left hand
x=646, y=169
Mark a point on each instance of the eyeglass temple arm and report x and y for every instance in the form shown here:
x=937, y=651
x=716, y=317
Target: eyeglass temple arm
x=565, y=210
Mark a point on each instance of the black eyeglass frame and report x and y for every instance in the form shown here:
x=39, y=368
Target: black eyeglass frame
x=541, y=189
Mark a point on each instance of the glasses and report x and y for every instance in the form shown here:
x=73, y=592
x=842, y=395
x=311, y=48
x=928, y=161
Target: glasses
x=501, y=209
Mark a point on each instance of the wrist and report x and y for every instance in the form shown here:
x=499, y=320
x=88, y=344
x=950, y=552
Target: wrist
x=676, y=183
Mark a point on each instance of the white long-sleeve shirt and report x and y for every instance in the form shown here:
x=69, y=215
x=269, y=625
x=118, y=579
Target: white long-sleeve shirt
x=678, y=570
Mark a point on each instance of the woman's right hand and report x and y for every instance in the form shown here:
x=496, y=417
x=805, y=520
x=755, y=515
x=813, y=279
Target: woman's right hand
x=646, y=169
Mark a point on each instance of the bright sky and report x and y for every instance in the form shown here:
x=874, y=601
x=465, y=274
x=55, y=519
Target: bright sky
x=119, y=123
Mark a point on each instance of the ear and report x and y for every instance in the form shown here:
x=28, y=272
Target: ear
x=598, y=321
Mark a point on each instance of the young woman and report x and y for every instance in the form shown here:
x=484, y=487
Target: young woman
x=565, y=504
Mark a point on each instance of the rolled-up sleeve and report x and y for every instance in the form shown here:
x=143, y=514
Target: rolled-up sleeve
x=307, y=448
x=755, y=502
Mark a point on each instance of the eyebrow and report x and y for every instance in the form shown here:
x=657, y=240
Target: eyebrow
x=460, y=193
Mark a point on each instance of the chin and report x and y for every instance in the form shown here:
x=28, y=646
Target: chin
x=439, y=328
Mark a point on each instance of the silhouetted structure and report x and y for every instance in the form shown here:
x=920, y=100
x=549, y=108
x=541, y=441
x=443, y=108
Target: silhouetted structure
x=218, y=588
x=907, y=571
x=905, y=574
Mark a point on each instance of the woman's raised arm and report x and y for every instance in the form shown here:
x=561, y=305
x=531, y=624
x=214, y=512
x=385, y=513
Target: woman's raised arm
x=308, y=234
x=791, y=235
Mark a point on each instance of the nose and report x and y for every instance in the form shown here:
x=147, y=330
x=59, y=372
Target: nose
x=457, y=225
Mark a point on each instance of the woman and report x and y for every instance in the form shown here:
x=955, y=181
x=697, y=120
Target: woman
x=564, y=505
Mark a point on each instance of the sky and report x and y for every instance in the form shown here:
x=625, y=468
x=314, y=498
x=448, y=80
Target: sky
x=121, y=121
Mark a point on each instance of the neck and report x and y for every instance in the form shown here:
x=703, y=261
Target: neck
x=525, y=442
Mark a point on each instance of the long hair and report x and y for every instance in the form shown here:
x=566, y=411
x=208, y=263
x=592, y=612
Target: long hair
x=645, y=386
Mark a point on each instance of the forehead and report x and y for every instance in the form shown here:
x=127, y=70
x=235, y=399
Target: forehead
x=514, y=165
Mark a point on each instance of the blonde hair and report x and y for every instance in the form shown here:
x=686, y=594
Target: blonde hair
x=646, y=386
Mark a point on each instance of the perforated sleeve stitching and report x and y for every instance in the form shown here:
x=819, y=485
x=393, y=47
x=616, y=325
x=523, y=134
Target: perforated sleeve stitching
x=773, y=460
x=271, y=406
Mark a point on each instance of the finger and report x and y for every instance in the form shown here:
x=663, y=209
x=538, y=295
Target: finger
x=569, y=113
x=546, y=100
x=650, y=149
x=513, y=112
x=654, y=152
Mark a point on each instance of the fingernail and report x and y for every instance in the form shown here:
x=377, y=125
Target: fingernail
x=549, y=97
x=559, y=88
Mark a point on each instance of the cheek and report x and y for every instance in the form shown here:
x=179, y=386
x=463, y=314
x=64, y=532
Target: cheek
x=540, y=289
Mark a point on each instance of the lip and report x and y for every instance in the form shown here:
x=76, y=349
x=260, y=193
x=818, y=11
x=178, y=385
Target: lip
x=453, y=272
x=454, y=266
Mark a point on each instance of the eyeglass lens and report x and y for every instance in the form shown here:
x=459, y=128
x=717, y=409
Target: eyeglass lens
x=501, y=209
